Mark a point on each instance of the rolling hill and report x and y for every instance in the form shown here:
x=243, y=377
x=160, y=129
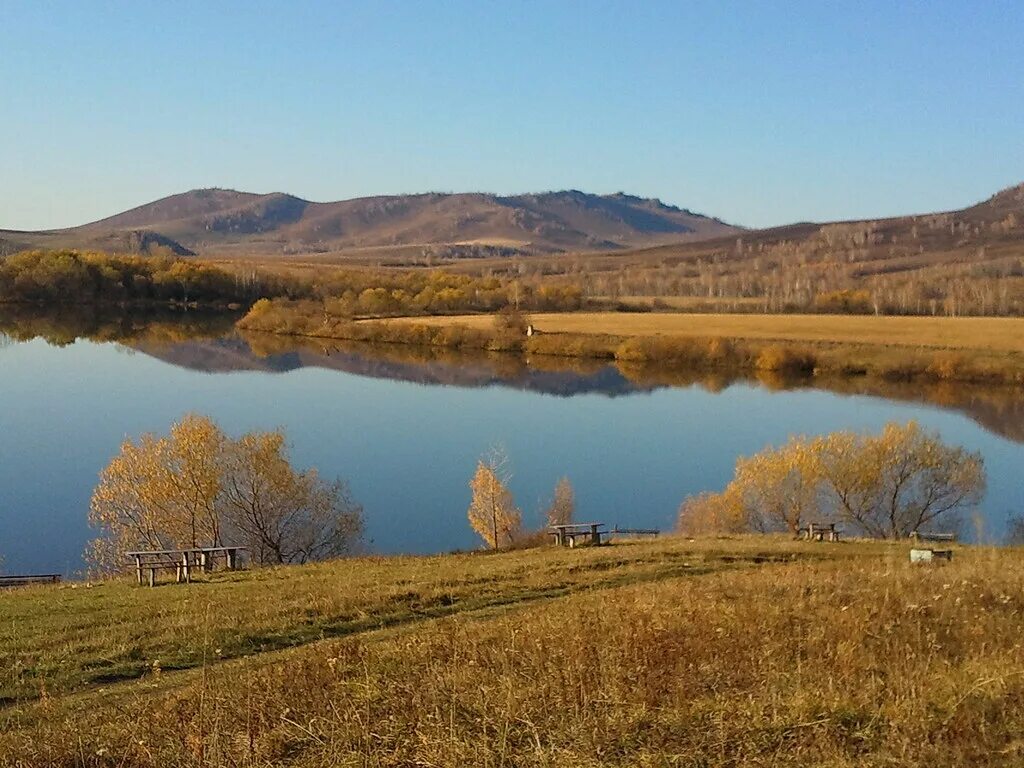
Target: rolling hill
x=223, y=222
x=992, y=230
x=969, y=260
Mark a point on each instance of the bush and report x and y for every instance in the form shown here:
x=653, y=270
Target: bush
x=780, y=359
x=947, y=365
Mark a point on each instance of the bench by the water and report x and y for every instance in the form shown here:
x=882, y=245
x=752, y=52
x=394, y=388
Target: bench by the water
x=25, y=581
x=182, y=561
x=571, y=534
x=819, y=532
x=616, y=531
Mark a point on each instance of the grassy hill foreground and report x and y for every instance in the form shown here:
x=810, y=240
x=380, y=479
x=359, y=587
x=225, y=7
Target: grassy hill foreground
x=741, y=651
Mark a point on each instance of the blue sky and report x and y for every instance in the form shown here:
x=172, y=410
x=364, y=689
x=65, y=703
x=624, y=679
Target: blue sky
x=760, y=113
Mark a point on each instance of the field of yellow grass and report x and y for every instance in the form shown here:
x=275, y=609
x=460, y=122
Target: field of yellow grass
x=717, y=652
x=955, y=333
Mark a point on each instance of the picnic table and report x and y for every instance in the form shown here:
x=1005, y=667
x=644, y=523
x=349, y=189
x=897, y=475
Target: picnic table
x=819, y=532
x=182, y=561
x=569, y=534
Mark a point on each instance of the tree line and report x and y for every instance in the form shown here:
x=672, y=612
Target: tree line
x=196, y=486
x=74, y=277
x=71, y=277
x=824, y=275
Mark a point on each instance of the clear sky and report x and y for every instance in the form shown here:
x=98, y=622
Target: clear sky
x=758, y=112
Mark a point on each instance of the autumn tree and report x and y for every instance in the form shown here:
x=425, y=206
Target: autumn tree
x=710, y=513
x=510, y=326
x=886, y=485
x=492, y=511
x=778, y=488
x=198, y=487
x=159, y=493
x=282, y=515
x=902, y=480
x=562, y=507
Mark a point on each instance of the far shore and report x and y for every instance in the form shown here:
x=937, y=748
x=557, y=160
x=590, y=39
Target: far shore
x=968, y=349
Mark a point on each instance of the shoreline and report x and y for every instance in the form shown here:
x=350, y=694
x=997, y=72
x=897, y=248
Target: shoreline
x=799, y=358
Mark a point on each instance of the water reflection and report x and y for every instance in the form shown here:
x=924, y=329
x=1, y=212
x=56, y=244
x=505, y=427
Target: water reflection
x=208, y=342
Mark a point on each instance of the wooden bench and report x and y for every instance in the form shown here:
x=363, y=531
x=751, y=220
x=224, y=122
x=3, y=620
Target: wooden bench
x=572, y=533
x=653, y=532
x=9, y=582
x=181, y=561
x=819, y=532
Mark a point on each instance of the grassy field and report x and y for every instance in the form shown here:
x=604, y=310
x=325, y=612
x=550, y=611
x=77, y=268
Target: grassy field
x=747, y=651
x=996, y=334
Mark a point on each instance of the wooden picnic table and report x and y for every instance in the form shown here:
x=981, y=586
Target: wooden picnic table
x=182, y=561
x=565, y=535
x=820, y=532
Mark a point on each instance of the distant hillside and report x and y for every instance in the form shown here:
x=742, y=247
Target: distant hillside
x=909, y=261
x=220, y=221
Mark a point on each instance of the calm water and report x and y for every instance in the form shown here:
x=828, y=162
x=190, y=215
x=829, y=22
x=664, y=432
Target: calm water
x=406, y=433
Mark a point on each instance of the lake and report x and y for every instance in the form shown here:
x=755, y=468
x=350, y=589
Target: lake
x=405, y=427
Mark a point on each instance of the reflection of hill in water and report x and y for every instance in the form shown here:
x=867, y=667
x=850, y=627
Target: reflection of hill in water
x=420, y=366
x=206, y=343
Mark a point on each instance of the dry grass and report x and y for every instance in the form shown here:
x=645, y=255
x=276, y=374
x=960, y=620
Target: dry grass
x=59, y=640
x=979, y=350
x=857, y=659
x=998, y=334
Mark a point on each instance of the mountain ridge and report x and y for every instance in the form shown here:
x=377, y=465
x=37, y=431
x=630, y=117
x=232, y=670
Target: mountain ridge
x=217, y=220
x=413, y=228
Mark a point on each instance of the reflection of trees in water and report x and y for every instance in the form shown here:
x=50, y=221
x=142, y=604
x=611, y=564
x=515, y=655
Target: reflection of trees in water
x=999, y=409
x=65, y=325
x=207, y=342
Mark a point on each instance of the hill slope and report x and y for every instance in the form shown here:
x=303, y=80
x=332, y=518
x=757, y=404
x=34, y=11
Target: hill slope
x=970, y=259
x=219, y=221
x=875, y=245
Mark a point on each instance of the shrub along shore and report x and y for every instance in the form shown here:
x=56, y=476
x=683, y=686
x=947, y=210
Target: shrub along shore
x=844, y=356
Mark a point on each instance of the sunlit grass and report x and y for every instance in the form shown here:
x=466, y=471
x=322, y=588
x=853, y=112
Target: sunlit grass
x=721, y=652
x=969, y=333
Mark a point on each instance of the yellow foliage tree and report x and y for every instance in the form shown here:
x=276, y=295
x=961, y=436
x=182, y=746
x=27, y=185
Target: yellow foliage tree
x=283, y=515
x=900, y=481
x=159, y=493
x=197, y=487
x=887, y=485
x=492, y=511
x=778, y=487
x=709, y=513
x=563, y=504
